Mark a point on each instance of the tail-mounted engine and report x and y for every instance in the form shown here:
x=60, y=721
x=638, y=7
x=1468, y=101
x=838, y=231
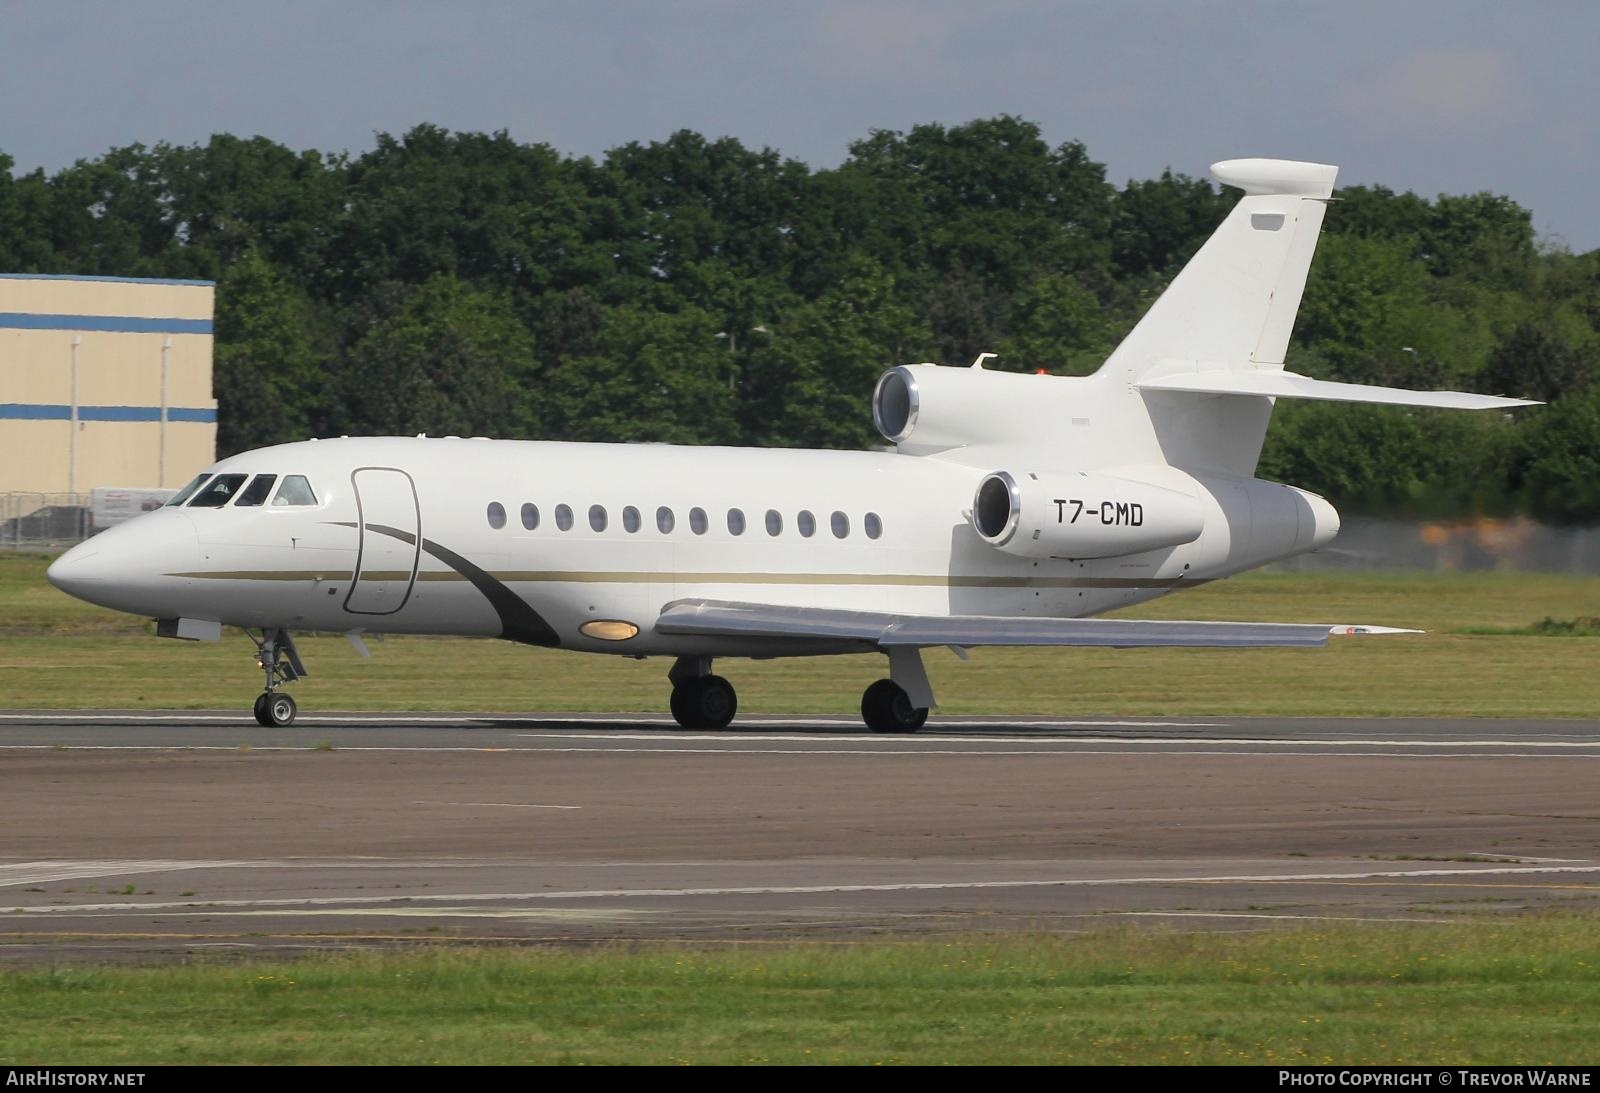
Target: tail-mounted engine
x=1054, y=514
x=923, y=408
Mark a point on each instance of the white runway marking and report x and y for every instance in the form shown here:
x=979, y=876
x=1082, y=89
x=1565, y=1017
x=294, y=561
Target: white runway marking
x=45, y=872
x=491, y=804
x=1063, y=749
x=1248, y=914
x=919, y=741
x=203, y=906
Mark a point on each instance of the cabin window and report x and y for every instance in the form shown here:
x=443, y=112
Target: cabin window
x=530, y=516
x=296, y=490
x=840, y=523
x=188, y=491
x=497, y=515
x=774, y=522
x=218, y=492
x=806, y=523
x=256, y=492
x=597, y=517
x=664, y=520
x=564, y=517
x=735, y=521
x=630, y=519
x=873, y=525
x=697, y=521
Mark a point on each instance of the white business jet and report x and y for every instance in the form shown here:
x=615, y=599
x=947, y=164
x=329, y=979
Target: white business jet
x=1013, y=509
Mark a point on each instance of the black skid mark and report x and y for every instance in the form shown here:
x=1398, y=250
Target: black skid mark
x=519, y=622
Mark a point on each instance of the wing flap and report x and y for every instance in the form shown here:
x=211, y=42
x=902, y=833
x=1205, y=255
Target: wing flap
x=714, y=618
x=1293, y=385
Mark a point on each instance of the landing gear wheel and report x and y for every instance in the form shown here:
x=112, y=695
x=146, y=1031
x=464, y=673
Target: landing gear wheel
x=704, y=702
x=886, y=707
x=278, y=708
x=276, y=656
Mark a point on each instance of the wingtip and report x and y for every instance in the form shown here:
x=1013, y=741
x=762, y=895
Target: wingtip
x=1357, y=629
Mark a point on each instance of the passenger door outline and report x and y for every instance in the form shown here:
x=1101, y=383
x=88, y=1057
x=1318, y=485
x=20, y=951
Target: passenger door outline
x=389, y=526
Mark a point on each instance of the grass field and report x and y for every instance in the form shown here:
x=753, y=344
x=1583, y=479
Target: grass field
x=1480, y=658
x=1505, y=993
x=1476, y=660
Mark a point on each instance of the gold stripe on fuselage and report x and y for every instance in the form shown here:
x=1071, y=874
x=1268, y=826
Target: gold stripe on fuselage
x=532, y=576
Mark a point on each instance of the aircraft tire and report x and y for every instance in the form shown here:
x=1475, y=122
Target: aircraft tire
x=260, y=709
x=280, y=709
x=708, y=702
x=715, y=703
x=683, y=703
x=885, y=707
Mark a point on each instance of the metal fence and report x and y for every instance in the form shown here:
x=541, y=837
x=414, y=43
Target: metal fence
x=55, y=521
x=43, y=521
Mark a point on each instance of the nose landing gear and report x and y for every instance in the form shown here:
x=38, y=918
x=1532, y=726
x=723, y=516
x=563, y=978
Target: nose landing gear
x=278, y=658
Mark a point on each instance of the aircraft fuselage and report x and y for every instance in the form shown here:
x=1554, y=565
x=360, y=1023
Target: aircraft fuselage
x=405, y=537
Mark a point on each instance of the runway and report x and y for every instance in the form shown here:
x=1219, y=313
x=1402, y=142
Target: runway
x=161, y=835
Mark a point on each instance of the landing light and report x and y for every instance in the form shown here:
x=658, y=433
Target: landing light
x=608, y=630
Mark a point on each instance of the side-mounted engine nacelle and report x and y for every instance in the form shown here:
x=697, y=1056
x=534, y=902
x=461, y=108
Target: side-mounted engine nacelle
x=1054, y=514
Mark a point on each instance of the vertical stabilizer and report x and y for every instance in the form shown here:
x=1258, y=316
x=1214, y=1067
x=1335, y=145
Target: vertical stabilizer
x=1231, y=308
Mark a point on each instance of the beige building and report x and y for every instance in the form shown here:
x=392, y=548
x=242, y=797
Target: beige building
x=104, y=381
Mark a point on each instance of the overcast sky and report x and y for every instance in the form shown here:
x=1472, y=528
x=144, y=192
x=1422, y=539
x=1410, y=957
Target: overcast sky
x=1450, y=96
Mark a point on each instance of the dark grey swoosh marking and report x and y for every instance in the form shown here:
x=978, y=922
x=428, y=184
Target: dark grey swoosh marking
x=518, y=621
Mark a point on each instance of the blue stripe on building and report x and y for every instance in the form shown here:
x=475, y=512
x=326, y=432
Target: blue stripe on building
x=119, y=324
x=24, y=411
x=93, y=277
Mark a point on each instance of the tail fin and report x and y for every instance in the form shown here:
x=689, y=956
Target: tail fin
x=1234, y=304
x=1207, y=358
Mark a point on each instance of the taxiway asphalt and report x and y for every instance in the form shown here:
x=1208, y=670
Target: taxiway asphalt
x=156, y=835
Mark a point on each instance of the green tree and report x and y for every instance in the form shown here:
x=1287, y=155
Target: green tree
x=232, y=198
x=479, y=206
x=1059, y=325
x=812, y=384
x=1159, y=224
x=989, y=197
x=648, y=376
x=1532, y=362
x=1557, y=463
x=441, y=358
x=1371, y=459
x=271, y=347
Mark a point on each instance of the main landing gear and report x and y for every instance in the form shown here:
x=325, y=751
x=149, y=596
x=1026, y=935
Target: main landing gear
x=701, y=700
x=886, y=707
x=901, y=702
x=277, y=657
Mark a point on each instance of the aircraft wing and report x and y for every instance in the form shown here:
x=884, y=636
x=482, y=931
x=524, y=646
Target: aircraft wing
x=715, y=618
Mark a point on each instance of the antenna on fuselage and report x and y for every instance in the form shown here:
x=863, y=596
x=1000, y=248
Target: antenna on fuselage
x=983, y=357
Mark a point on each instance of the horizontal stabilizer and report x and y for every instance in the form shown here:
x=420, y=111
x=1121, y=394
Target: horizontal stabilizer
x=712, y=618
x=1290, y=385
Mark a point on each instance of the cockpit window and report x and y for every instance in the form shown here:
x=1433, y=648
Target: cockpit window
x=256, y=492
x=218, y=492
x=188, y=491
x=294, y=491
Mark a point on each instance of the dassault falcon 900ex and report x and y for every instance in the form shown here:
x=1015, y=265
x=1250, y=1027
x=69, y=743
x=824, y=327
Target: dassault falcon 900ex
x=1013, y=509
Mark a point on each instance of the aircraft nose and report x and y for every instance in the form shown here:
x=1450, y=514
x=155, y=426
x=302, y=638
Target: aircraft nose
x=123, y=567
x=79, y=568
